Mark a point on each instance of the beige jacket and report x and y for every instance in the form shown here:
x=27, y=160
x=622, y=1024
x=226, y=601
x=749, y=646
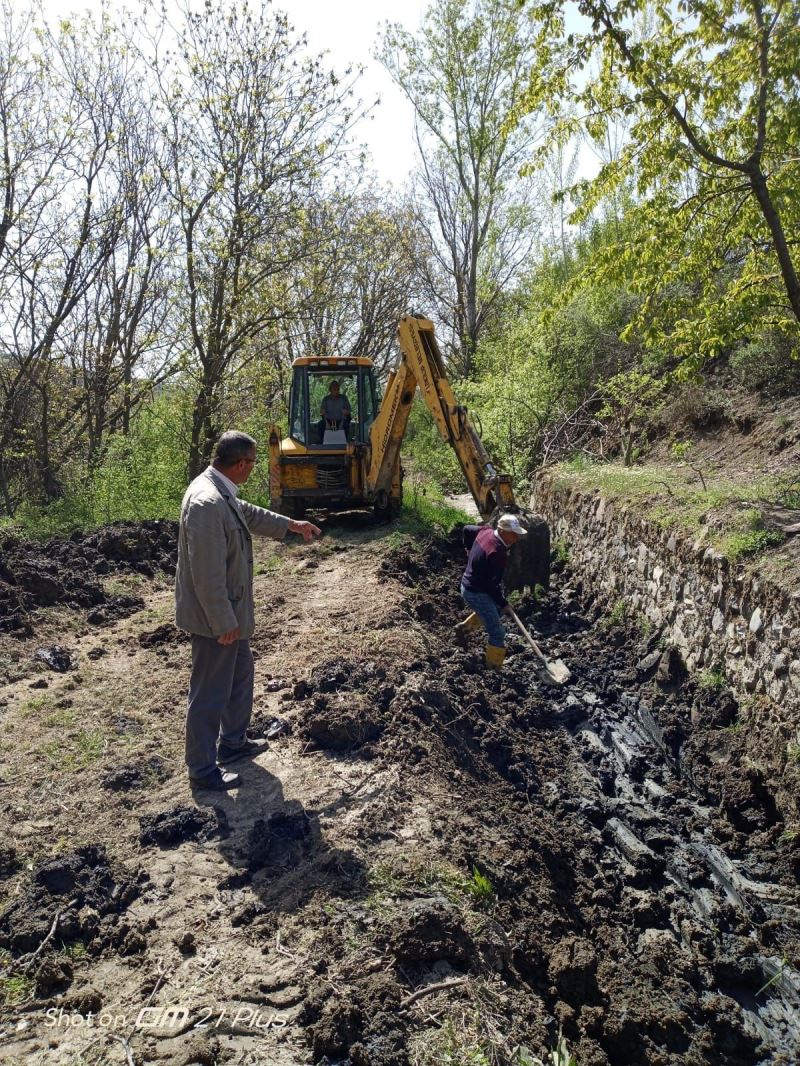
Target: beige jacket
x=214, y=579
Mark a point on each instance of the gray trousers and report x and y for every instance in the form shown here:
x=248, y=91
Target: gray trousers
x=220, y=700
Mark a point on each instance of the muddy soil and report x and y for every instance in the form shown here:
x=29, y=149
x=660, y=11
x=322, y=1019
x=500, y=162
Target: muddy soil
x=430, y=864
x=42, y=574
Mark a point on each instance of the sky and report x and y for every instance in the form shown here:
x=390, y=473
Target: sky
x=348, y=31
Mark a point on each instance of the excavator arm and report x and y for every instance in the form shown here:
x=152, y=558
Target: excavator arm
x=421, y=364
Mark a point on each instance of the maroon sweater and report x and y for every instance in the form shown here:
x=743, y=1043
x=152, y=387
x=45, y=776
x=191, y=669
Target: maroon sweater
x=486, y=562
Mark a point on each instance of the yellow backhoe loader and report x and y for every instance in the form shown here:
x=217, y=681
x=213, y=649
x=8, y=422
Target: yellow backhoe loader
x=343, y=447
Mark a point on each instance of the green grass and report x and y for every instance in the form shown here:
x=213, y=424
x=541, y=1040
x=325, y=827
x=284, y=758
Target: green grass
x=616, y=616
x=750, y=542
x=712, y=679
x=76, y=752
x=561, y=549
x=453, y=1044
x=424, y=514
x=64, y=717
x=36, y=703
x=480, y=886
x=726, y=511
x=269, y=566
x=15, y=989
x=406, y=878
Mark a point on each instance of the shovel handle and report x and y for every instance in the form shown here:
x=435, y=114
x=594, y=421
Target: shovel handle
x=527, y=635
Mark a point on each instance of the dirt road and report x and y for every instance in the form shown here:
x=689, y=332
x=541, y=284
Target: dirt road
x=429, y=865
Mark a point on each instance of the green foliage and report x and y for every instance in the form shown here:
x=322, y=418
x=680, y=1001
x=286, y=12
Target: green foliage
x=15, y=989
x=753, y=538
x=770, y=362
x=561, y=549
x=629, y=399
x=709, y=144
x=725, y=511
x=679, y=450
x=141, y=476
x=463, y=71
x=429, y=455
x=546, y=354
x=424, y=509
x=714, y=680
x=76, y=752
x=561, y=1055
x=480, y=886
x=617, y=615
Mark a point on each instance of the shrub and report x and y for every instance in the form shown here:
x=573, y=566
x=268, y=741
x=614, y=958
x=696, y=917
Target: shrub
x=769, y=363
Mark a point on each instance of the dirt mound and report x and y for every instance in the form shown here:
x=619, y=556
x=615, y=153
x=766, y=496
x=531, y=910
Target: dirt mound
x=161, y=635
x=85, y=888
x=611, y=889
x=58, y=571
x=169, y=828
x=427, y=931
x=279, y=841
x=135, y=775
x=346, y=705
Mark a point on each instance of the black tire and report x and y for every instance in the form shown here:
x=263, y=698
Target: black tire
x=289, y=506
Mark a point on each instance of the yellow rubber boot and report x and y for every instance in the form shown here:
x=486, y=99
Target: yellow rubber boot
x=494, y=656
x=469, y=625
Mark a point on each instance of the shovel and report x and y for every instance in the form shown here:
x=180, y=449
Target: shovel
x=557, y=670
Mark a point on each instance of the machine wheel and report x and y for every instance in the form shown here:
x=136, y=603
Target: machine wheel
x=289, y=506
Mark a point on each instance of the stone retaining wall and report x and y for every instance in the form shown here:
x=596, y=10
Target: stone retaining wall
x=718, y=615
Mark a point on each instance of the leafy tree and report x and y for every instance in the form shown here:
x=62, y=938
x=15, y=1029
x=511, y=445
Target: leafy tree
x=711, y=93
x=250, y=126
x=464, y=71
x=60, y=102
x=629, y=398
x=350, y=295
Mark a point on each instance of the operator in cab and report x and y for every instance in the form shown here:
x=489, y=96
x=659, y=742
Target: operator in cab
x=482, y=583
x=335, y=411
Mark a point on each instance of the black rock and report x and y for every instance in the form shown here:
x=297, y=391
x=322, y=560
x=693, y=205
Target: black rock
x=56, y=657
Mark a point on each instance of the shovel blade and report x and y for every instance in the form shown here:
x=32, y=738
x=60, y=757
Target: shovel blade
x=558, y=671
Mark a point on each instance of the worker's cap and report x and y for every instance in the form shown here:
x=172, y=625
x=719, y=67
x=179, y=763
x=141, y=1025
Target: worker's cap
x=511, y=524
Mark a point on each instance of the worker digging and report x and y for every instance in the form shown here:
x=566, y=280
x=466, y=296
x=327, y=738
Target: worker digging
x=482, y=583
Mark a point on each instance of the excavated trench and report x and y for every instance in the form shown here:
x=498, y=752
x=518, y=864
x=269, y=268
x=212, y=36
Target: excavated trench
x=657, y=919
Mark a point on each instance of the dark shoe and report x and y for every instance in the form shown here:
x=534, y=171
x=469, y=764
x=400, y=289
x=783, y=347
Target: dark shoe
x=248, y=750
x=220, y=780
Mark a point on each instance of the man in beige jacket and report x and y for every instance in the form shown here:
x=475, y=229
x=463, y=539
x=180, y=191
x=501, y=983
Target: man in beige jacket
x=214, y=603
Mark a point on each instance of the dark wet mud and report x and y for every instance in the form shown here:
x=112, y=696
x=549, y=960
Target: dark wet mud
x=70, y=572
x=641, y=901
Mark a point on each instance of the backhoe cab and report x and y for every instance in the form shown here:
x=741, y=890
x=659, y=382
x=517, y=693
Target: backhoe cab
x=333, y=403
x=343, y=448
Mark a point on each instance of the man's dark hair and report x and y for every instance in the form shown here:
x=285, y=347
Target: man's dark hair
x=233, y=446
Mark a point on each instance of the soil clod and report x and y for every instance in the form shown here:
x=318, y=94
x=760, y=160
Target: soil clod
x=56, y=657
x=172, y=827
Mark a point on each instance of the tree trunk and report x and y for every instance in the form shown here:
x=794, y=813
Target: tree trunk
x=758, y=183
x=8, y=503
